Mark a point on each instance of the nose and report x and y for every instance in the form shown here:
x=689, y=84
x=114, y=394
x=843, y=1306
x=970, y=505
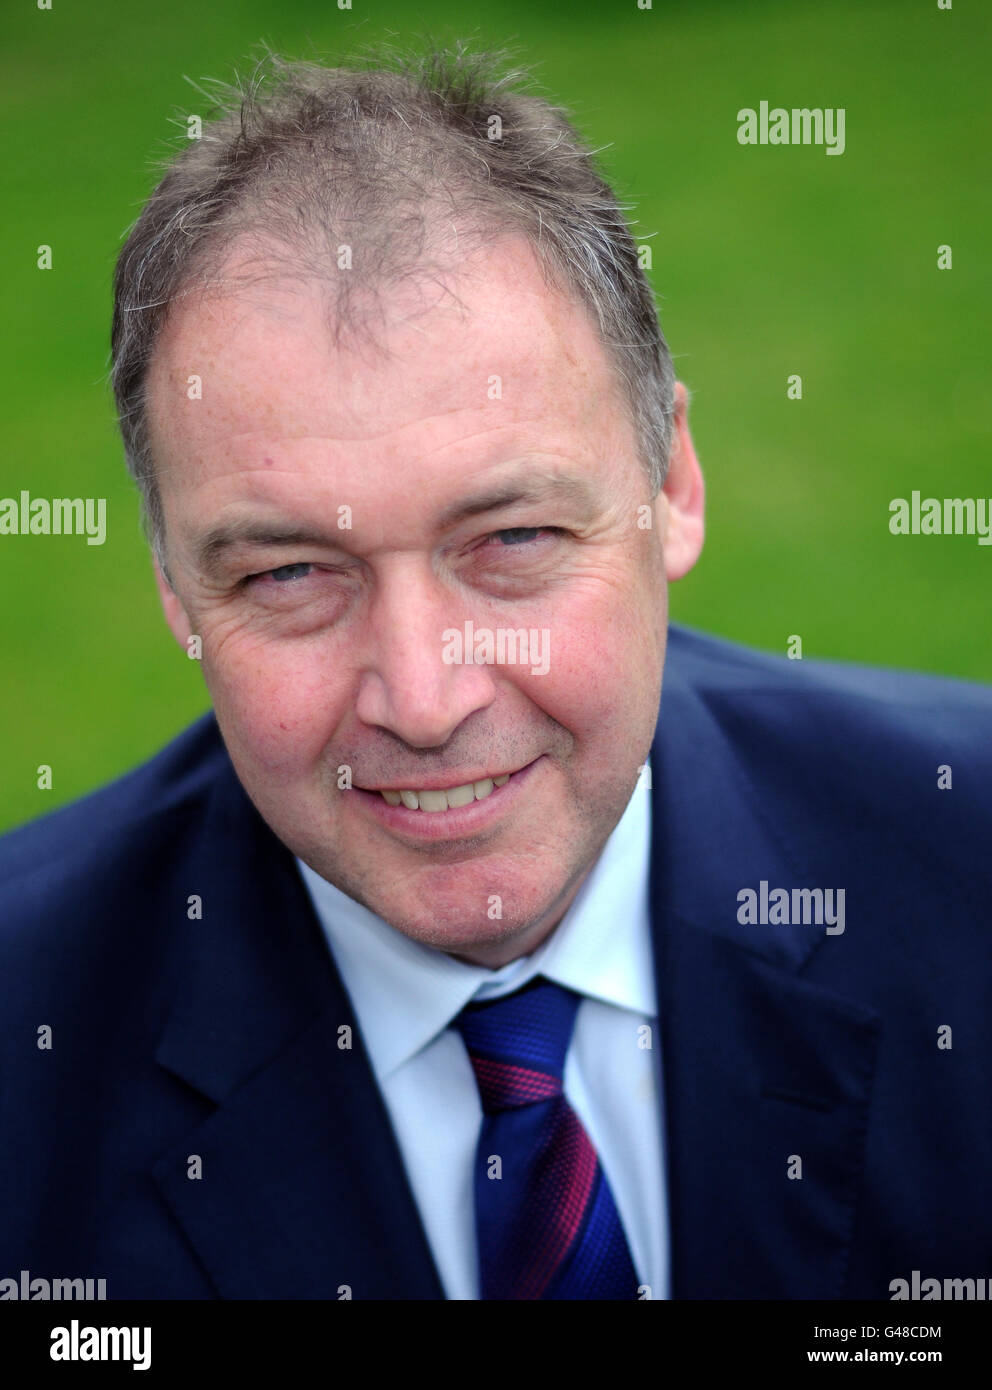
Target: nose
x=406, y=686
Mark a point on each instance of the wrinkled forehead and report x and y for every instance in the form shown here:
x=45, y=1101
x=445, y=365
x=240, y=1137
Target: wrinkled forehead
x=257, y=397
x=263, y=349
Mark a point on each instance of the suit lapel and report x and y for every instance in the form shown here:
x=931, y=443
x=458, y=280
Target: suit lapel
x=303, y=1192
x=760, y=1066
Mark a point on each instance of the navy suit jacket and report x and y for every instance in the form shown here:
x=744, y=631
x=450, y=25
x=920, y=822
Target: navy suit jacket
x=218, y=1037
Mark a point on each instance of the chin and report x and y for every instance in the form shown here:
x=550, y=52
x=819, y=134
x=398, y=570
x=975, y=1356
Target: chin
x=461, y=917
x=508, y=939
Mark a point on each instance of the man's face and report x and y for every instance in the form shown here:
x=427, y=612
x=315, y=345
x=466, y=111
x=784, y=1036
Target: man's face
x=335, y=515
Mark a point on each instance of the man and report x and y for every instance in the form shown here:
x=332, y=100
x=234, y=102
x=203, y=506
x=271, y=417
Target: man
x=433, y=963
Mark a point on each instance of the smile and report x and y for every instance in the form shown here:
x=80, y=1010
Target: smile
x=445, y=798
x=442, y=816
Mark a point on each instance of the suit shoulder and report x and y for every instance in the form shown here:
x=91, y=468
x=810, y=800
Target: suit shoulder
x=72, y=849
x=870, y=706
x=845, y=765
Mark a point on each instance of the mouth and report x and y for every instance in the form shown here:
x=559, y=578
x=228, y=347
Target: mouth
x=431, y=800
x=446, y=812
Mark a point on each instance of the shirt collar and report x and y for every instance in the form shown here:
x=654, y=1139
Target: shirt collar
x=405, y=994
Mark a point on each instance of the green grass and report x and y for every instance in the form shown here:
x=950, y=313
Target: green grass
x=767, y=261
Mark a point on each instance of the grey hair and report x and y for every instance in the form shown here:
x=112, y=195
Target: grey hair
x=297, y=154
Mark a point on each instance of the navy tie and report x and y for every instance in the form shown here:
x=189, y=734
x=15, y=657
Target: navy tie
x=546, y=1221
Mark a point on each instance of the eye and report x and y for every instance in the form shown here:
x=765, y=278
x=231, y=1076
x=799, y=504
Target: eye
x=517, y=555
x=285, y=574
x=518, y=535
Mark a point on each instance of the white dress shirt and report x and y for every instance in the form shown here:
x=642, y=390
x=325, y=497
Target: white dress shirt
x=406, y=995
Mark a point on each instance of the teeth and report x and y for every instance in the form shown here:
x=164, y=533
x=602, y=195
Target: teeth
x=451, y=797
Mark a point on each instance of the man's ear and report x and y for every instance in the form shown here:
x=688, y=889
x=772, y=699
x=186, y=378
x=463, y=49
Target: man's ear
x=680, y=504
x=175, y=613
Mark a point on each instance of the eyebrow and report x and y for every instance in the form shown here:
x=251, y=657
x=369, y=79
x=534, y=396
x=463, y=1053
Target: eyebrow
x=536, y=487
x=228, y=536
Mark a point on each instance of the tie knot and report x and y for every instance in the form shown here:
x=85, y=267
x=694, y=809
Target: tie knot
x=517, y=1044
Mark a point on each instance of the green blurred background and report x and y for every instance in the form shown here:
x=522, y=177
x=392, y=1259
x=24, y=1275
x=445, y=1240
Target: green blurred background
x=767, y=261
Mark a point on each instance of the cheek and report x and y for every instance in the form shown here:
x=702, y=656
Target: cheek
x=277, y=707
x=605, y=656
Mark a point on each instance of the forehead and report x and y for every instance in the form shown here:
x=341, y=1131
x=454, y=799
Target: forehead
x=487, y=353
